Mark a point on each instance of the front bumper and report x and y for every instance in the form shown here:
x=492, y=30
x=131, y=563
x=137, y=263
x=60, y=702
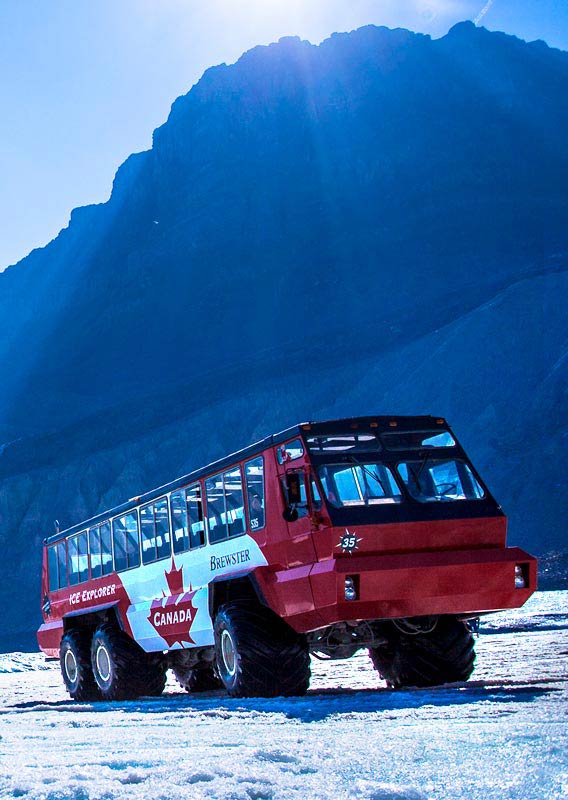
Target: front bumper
x=459, y=582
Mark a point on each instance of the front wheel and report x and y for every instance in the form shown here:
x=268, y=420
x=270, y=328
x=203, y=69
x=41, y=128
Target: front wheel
x=257, y=654
x=440, y=654
x=75, y=660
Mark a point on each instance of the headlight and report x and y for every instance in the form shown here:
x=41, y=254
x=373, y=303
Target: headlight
x=520, y=577
x=350, y=590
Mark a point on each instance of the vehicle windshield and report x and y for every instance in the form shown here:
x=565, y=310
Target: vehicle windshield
x=440, y=480
x=358, y=484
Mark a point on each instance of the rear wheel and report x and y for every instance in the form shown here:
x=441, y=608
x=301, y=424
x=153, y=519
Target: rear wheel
x=257, y=654
x=122, y=670
x=442, y=654
x=75, y=659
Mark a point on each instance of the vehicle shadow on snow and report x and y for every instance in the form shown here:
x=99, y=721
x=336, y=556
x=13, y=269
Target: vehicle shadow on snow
x=316, y=706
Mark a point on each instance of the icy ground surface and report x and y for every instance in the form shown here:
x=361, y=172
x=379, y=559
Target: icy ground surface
x=502, y=735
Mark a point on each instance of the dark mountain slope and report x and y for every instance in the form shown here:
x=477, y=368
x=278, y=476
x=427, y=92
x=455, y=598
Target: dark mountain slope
x=378, y=223
x=380, y=164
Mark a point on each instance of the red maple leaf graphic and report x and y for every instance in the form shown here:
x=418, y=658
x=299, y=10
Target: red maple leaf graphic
x=175, y=579
x=173, y=617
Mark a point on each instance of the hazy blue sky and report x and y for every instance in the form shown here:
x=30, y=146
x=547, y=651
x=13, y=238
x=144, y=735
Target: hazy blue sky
x=84, y=82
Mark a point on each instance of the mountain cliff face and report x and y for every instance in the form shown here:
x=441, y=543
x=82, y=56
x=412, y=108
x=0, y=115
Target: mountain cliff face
x=375, y=224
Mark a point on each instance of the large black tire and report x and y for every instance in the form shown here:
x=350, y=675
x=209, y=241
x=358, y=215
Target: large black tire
x=443, y=655
x=257, y=654
x=75, y=660
x=122, y=670
x=198, y=679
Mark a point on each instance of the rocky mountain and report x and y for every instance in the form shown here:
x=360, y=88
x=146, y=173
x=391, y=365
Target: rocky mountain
x=376, y=224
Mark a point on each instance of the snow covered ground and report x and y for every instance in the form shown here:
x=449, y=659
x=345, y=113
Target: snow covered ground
x=502, y=735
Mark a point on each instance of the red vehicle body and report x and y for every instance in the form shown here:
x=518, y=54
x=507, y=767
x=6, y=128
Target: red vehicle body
x=370, y=532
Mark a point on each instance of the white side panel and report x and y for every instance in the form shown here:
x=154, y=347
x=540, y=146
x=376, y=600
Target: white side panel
x=170, y=598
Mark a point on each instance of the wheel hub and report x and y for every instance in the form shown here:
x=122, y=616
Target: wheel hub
x=228, y=653
x=70, y=666
x=102, y=661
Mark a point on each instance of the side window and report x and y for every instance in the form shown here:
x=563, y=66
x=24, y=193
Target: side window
x=254, y=477
x=147, y=534
x=106, y=548
x=300, y=507
x=216, y=514
x=163, y=546
x=188, y=518
x=73, y=561
x=155, y=531
x=179, y=519
x=57, y=566
x=196, y=517
x=125, y=541
x=290, y=451
x=78, y=559
x=62, y=564
x=225, y=505
x=235, y=503
x=52, y=568
x=95, y=552
x=316, y=496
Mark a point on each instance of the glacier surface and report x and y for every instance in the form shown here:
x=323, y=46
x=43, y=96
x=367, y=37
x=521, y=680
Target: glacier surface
x=504, y=734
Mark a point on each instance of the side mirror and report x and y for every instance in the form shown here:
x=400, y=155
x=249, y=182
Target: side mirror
x=290, y=514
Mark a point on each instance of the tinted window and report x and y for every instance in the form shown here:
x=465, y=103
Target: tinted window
x=95, y=552
x=437, y=480
x=316, y=497
x=73, y=561
x=163, y=547
x=62, y=564
x=195, y=514
x=290, y=451
x=302, y=506
x=56, y=557
x=147, y=535
x=179, y=520
x=417, y=440
x=78, y=559
x=126, y=541
x=235, y=502
x=106, y=548
x=188, y=517
x=155, y=531
x=359, y=484
x=225, y=505
x=216, y=516
x=254, y=477
x=52, y=568
x=343, y=443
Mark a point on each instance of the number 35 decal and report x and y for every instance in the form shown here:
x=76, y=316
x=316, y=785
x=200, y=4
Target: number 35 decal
x=349, y=542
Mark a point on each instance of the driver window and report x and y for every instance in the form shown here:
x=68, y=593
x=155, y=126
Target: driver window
x=302, y=506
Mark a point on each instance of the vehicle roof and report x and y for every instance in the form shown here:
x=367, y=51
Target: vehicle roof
x=380, y=423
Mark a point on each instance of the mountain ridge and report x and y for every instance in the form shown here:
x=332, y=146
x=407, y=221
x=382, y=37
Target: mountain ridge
x=464, y=27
